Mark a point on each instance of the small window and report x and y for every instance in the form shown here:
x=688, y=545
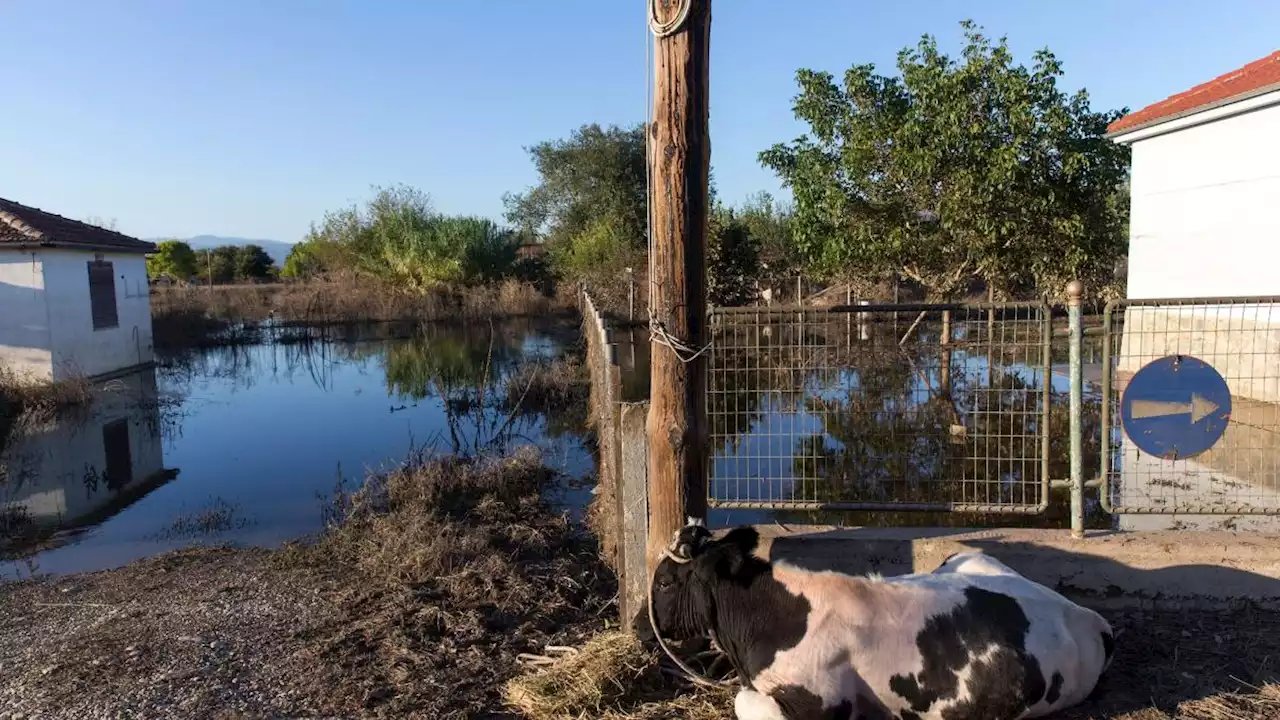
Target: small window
x=115, y=441
x=102, y=295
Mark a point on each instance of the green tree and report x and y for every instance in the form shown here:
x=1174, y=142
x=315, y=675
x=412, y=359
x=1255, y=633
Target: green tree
x=400, y=238
x=173, y=259
x=219, y=264
x=306, y=259
x=733, y=258
x=955, y=170
x=596, y=172
x=770, y=223
x=590, y=202
x=253, y=263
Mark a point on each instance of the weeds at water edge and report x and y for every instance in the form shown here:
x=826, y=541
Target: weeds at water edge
x=451, y=568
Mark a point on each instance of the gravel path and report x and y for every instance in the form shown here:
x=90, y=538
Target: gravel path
x=199, y=633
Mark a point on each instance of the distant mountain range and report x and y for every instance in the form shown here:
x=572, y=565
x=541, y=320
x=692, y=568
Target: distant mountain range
x=276, y=249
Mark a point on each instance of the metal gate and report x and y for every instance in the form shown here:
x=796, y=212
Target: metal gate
x=884, y=407
x=1190, y=406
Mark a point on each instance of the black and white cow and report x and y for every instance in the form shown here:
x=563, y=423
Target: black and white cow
x=972, y=640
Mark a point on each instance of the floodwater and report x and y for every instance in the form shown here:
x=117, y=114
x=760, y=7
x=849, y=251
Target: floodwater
x=247, y=444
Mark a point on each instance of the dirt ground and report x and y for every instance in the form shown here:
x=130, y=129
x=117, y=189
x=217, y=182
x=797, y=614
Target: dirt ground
x=416, y=605
x=418, y=602
x=201, y=633
x=220, y=633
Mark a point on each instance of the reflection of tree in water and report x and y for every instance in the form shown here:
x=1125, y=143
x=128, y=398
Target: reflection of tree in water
x=917, y=424
x=467, y=370
x=449, y=364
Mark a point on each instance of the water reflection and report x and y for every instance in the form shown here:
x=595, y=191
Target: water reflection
x=61, y=476
x=809, y=410
x=264, y=433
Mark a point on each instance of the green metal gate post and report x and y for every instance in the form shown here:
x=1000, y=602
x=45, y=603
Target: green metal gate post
x=1075, y=289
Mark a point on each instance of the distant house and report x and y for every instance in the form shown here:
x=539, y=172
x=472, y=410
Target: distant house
x=74, y=299
x=530, y=251
x=1205, y=177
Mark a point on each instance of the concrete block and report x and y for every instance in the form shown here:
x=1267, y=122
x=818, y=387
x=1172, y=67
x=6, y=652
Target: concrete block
x=1111, y=569
x=634, y=498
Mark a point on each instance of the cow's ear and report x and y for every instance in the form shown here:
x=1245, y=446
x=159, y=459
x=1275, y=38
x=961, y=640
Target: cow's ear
x=730, y=560
x=745, y=538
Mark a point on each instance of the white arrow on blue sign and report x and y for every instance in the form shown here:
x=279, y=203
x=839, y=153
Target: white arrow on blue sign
x=1176, y=407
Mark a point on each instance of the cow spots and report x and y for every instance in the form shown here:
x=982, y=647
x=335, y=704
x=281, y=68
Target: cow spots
x=984, y=640
x=1055, y=688
x=800, y=703
x=757, y=617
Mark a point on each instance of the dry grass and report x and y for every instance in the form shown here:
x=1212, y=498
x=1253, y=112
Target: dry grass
x=193, y=316
x=548, y=387
x=26, y=402
x=455, y=567
x=1254, y=704
x=612, y=676
x=218, y=517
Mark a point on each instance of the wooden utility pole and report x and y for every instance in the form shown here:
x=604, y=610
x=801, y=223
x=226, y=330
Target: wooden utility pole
x=679, y=160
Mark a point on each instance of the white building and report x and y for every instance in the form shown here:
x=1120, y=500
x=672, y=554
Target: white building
x=1205, y=178
x=1204, y=224
x=74, y=299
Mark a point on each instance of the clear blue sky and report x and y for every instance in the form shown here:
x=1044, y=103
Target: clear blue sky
x=253, y=117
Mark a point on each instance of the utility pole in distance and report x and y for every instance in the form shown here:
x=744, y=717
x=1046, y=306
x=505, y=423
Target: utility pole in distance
x=679, y=161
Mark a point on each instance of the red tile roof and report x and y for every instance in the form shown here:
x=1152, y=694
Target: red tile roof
x=22, y=226
x=1254, y=76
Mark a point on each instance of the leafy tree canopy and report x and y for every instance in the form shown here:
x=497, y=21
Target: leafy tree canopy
x=173, y=259
x=955, y=170
x=594, y=173
x=253, y=263
x=399, y=237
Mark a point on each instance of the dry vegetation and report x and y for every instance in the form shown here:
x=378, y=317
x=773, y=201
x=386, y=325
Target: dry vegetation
x=415, y=603
x=459, y=567
x=546, y=388
x=613, y=676
x=193, y=316
x=28, y=402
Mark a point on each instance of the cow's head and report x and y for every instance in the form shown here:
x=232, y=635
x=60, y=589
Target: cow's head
x=693, y=569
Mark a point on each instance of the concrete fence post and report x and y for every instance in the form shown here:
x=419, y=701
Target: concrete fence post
x=1075, y=289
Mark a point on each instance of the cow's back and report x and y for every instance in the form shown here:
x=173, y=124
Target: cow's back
x=978, y=637
x=1070, y=644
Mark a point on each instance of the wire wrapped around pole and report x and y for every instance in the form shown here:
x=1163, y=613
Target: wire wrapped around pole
x=672, y=26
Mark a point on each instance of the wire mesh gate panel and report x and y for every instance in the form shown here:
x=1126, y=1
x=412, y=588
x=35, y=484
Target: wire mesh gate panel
x=1239, y=474
x=880, y=407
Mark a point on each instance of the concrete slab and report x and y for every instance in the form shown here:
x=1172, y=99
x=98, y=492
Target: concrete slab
x=1109, y=569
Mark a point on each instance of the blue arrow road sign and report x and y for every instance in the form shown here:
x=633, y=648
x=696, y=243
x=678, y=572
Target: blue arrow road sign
x=1175, y=407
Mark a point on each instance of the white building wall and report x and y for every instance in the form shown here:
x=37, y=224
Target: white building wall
x=24, y=320
x=1204, y=216
x=78, y=349
x=1204, y=223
